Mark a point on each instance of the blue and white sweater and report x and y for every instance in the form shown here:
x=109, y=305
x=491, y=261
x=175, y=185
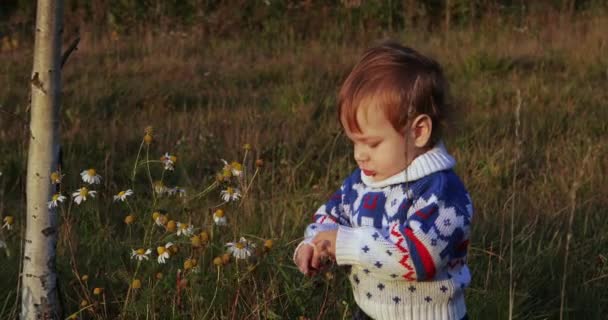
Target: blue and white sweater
x=405, y=237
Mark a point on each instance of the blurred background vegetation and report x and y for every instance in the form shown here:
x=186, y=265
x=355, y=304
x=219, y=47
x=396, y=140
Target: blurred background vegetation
x=211, y=76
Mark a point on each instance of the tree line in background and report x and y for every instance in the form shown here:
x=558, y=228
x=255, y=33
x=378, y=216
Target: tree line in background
x=223, y=17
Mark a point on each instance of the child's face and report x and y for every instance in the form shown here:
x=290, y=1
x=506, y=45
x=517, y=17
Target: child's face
x=380, y=150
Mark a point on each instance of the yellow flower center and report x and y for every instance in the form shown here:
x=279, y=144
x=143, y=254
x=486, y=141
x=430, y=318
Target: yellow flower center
x=173, y=158
x=56, y=196
x=161, y=250
x=226, y=173
x=9, y=219
x=55, y=176
x=91, y=172
x=236, y=166
x=171, y=226
x=204, y=236
x=140, y=251
x=155, y=215
x=148, y=138
x=189, y=264
x=230, y=191
x=122, y=193
x=129, y=219
x=240, y=245
x=97, y=291
x=247, y=146
x=84, y=191
x=136, y=284
x=219, y=213
x=268, y=244
x=196, y=241
x=183, y=226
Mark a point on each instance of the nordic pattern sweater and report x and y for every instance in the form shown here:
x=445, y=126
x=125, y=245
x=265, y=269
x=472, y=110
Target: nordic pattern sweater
x=405, y=237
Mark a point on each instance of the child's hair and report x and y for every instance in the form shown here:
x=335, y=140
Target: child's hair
x=399, y=80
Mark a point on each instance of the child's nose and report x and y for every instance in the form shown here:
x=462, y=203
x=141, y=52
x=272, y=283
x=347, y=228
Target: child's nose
x=361, y=156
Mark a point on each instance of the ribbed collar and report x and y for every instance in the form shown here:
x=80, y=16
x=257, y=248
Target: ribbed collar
x=434, y=160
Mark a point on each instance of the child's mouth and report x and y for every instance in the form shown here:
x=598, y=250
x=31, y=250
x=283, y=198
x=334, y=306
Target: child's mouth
x=368, y=172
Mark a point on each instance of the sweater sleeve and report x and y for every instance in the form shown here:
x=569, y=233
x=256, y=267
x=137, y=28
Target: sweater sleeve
x=434, y=235
x=328, y=217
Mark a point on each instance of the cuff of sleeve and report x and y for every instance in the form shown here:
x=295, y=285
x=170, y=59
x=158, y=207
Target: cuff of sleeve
x=307, y=241
x=347, y=246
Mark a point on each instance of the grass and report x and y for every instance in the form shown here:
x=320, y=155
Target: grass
x=207, y=96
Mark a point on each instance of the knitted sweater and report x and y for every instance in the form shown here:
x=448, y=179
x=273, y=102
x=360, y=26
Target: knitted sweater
x=405, y=237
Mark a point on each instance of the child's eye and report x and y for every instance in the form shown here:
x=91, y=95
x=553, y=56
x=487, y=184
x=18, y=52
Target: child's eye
x=375, y=144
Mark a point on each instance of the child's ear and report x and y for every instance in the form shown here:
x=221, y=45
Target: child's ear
x=422, y=126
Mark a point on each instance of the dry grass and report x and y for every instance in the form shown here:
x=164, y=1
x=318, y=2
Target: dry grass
x=206, y=97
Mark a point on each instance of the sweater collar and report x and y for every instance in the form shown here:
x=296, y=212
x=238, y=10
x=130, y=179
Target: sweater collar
x=434, y=160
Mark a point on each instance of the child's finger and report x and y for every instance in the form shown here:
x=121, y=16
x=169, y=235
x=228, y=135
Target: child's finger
x=316, y=257
x=303, y=259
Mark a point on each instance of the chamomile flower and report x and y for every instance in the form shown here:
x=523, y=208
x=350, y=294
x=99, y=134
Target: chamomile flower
x=140, y=254
x=168, y=161
x=230, y=194
x=90, y=176
x=160, y=219
x=241, y=249
x=56, y=177
x=81, y=194
x=189, y=264
x=219, y=217
x=8, y=222
x=163, y=252
x=122, y=196
x=55, y=200
x=184, y=229
x=234, y=167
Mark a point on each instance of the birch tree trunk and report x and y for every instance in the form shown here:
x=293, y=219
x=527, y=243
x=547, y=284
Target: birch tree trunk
x=39, y=299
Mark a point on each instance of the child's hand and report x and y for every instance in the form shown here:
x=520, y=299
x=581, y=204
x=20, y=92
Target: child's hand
x=325, y=244
x=304, y=257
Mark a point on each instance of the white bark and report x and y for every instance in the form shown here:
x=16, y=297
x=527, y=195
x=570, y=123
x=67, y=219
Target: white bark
x=39, y=278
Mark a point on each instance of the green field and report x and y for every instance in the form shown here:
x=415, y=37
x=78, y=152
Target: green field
x=529, y=136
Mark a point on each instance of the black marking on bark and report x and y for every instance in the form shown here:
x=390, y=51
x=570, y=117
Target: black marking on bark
x=48, y=231
x=27, y=258
x=36, y=82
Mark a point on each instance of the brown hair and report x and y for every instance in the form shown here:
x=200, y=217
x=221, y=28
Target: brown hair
x=403, y=82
